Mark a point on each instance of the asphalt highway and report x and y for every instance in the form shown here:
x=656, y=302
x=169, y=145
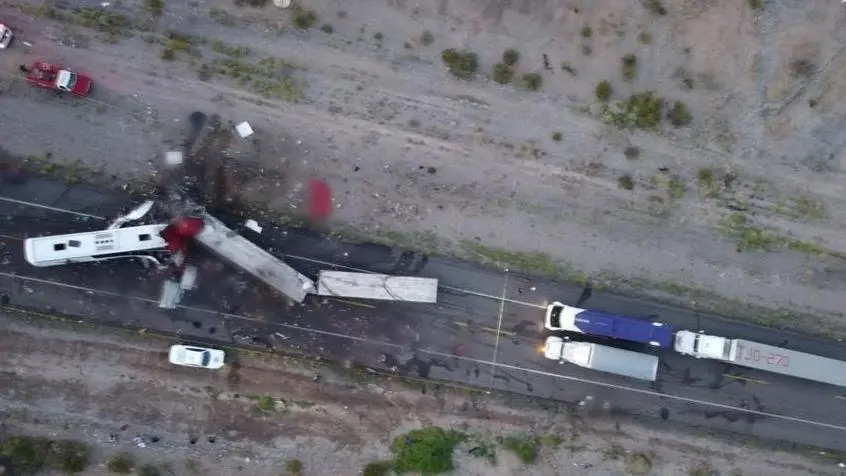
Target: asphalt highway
x=485, y=331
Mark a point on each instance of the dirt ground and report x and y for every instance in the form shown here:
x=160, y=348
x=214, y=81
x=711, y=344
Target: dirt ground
x=746, y=201
x=107, y=389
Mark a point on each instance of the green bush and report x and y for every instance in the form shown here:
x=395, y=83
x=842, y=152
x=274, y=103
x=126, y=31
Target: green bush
x=587, y=32
x=532, y=81
x=642, y=110
x=25, y=454
x=327, y=28
x=678, y=115
x=629, y=67
x=626, y=182
x=155, y=7
x=527, y=449
x=604, y=91
x=461, y=64
x=120, y=464
x=755, y=4
x=706, y=177
x=377, y=468
x=149, y=470
x=510, y=57
x=502, y=73
x=294, y=467
x=557, y=136
x=168, y=54
x=304, y=18
x=72, y=456
x=656, y=7
x=427, y=451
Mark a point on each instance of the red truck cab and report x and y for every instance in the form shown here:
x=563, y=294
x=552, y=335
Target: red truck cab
x=51, y=76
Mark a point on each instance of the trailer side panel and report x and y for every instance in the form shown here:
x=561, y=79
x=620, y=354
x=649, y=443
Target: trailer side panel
x=788, y=362
x=625, y=328
x=243, y=253
x=377, y=286
x=623, y=362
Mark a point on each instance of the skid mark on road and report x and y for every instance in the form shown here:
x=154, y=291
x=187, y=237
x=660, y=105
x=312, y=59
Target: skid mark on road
x=445, y=355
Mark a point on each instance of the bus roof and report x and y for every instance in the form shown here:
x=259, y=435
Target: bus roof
x=57, y=248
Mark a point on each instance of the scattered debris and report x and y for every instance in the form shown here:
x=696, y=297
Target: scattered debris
x=253, y=225
x=171, y=294
x=173, y=158
x=244, y=129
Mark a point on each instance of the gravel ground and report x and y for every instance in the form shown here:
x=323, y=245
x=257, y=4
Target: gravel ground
x=746, y=201
x=107, y=389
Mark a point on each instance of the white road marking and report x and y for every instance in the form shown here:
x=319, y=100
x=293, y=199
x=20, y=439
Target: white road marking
x=47, y=207
x=499, y=327
x=445, y=355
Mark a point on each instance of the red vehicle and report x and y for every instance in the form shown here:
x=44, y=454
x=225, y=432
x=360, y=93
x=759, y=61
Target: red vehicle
x=52, y=76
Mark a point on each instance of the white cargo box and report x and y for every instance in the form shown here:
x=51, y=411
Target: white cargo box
x=377, y=286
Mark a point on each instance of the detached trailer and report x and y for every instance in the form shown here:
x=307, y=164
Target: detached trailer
x=377, y=286
x=602, y=358
x=764, y=357
x=239, y=251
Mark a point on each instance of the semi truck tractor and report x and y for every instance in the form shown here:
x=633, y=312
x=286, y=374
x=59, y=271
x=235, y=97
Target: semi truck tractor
x=602, y=358
x=764, y=357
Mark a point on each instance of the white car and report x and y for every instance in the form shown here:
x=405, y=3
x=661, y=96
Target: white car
x=5, y=36
x=190, y=356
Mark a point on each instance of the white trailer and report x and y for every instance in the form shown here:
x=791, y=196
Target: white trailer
x=236, y=249
x=605, y=359
x=377, y=286
x=764, y=357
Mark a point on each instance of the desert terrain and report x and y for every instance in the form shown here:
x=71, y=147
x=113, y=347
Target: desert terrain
x=112, y=397
x=727, y=190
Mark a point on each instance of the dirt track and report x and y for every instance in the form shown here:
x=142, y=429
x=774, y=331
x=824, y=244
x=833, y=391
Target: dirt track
x=410, y=150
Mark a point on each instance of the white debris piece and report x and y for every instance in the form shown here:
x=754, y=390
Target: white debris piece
x=253, y=225
x=173, y=158
x=282, y=3
x=244, y=129
x=171, y=295
x=189, y=278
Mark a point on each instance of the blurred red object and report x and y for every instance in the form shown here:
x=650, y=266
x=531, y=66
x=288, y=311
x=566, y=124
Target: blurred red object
x=319, y=200
x=177, y=234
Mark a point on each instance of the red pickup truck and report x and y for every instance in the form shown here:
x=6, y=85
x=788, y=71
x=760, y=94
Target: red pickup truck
x=52, y=76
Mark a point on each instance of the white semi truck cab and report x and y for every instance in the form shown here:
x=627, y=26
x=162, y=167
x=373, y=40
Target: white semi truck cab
x=703, y=346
